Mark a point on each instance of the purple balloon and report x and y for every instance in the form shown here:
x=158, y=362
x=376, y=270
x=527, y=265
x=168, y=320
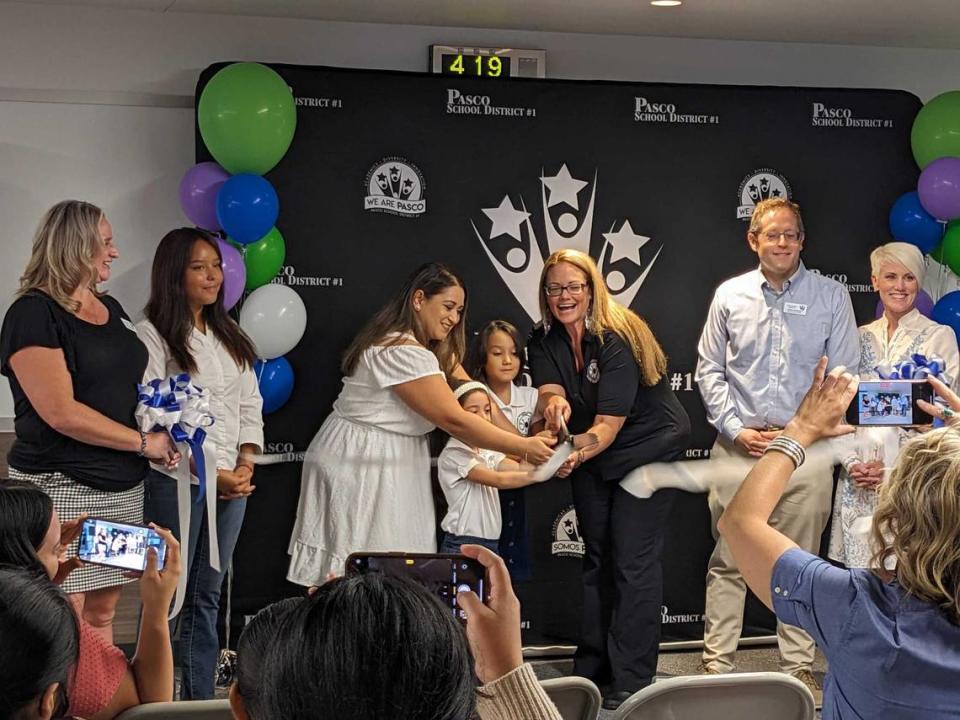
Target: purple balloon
x=939, y=188
x=924, y=303
x=198, y=194
x=234, y=274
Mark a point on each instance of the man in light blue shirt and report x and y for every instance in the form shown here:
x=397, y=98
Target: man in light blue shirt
x=765, y=332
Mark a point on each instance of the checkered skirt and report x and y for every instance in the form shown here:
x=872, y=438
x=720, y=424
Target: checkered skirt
x=71, y=499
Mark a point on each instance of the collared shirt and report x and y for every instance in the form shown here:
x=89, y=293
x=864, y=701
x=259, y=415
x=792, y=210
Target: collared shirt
x=235, y=401
x=891, y=656
x=472, y=508
x=656, y=426
x=759, y=347
x=522, y=408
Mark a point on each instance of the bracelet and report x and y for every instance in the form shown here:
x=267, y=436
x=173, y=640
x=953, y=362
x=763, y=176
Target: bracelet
x=579, y=458
x=789, y=447
x=143, y=443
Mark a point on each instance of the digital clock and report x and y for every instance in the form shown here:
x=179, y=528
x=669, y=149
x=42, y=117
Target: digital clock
x=490, y=63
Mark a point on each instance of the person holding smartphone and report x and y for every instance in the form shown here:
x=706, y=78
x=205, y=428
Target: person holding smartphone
x=896, y=271
x=188, y=330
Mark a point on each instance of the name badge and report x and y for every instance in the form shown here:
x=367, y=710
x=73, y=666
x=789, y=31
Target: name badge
x=795, y=308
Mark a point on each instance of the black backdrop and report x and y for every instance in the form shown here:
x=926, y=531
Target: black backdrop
x=388, y=170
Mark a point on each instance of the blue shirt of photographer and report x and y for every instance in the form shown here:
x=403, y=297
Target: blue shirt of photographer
x=892, y=656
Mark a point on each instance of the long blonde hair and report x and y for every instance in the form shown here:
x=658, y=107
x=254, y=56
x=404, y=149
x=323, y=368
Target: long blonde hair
x=64, y=247
x=917, y=521
x=605, y=313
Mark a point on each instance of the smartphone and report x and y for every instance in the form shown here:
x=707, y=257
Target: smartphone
x=443, y=575
x=119, y=545
x=890, y=402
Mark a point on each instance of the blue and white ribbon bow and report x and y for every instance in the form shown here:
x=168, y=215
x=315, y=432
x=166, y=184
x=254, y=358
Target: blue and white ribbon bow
x=181, y=408
x=918, y=367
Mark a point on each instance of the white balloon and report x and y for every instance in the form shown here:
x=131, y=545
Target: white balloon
x=275, y=318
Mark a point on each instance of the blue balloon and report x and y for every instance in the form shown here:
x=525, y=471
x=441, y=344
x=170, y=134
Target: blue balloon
x=275, y=378
x=247, y=207
x=947, y=311
x=909, y=222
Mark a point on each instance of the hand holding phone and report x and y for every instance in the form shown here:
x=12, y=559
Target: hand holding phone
x=493, y=630
x=159, y=585
x=119, y=545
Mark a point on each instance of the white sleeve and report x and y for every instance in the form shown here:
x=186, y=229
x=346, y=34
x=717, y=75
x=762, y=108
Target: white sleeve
x=455, y=463
x=157, y=352
x=943, y=343
x=251, y=410
x=397, y=364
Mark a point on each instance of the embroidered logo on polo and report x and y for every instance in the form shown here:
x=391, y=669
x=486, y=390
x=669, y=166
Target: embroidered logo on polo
x=759, y=185
x=395, y=186
x=593, y=372
x=523, y=422
x=567, y=541
x=508, y=234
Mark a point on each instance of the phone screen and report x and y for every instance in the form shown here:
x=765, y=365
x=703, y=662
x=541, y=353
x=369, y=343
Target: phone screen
x=442, y=575
x=890, y=402
x=119, y=545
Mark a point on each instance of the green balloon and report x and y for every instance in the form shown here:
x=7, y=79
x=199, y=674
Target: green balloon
x=264, y=258
x=950, y=248
x=936, y=129
x=247, y=118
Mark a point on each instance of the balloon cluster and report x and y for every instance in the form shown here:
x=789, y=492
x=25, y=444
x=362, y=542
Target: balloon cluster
x=247, y=118
x=929, y=217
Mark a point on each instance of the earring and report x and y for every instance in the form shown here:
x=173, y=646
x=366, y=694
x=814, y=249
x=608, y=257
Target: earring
x=587, y=322
x=546, y=323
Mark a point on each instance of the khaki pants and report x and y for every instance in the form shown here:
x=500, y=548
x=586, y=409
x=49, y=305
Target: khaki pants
x=801, y=515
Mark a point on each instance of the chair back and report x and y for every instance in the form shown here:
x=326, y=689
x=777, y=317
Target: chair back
x=575, y=697
x=183, y=710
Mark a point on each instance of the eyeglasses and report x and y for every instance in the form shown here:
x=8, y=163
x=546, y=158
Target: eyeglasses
x=574, y=289
x=788, y=235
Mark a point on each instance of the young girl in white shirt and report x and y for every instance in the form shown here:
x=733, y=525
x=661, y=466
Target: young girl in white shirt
x=497, y=360
x=471, y=477
x=187, y=330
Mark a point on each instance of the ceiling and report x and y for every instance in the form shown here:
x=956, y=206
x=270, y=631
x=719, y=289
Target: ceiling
x=898, y=23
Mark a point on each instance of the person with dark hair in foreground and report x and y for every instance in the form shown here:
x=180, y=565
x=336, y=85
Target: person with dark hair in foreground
x=38, y=646
x=379, y=647
x=892, y=635
x=103, y=684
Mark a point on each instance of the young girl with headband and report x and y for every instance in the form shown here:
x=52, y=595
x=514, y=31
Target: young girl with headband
x=470, y=478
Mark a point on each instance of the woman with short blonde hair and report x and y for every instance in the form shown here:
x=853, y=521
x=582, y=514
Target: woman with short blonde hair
x=73, y=360
x=896, y=270
x=599, y=368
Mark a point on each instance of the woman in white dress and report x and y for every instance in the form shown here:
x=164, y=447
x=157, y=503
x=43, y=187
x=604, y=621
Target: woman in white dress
x=897, y=274
x=366, y=475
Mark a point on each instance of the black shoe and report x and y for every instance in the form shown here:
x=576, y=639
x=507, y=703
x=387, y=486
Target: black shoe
x=615, y=699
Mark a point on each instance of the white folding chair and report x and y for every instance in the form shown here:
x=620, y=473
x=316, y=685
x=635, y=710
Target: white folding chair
x=183, y=710
x=575, y=697
x=721, y=697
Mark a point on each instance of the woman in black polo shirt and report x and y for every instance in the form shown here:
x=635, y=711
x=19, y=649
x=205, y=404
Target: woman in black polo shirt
x=598, y=366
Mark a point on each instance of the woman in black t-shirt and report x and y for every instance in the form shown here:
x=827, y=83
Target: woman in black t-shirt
x=74, y=360
x=598, y=366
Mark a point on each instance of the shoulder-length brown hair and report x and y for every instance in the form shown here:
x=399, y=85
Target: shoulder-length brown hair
x=607, y=314
x=476, y=365
x=64, y=247
x=170, y=313
x=398, y=316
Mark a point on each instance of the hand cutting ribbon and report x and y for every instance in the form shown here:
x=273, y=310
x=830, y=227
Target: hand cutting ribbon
x=181, y=408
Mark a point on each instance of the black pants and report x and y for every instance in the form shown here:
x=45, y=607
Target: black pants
x=622, y=581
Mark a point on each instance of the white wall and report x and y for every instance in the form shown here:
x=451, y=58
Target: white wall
x=128, y=155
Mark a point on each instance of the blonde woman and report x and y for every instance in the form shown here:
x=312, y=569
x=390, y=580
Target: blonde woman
x=896, y=271
x=599, y=368
x=892, y=639
x=73, y=360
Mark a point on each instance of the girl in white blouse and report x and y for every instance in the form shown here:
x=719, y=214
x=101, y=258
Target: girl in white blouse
x=188, y=330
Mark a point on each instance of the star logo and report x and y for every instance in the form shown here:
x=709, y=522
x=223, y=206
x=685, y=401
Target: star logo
x=512, y=246
x=563, y=188
x=506, y=219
